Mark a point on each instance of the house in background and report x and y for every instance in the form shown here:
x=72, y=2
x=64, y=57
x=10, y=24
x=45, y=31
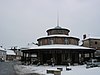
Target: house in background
x=17, y=51
x=10, y=55
x=2, y=54
x=92, y=42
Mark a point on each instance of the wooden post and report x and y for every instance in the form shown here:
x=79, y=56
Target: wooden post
x=89, y=55
x=93, y=55
x=29, y=54
x=25, y=57
x=83, y=57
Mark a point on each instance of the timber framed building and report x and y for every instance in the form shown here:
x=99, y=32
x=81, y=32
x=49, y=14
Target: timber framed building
x=60, y=47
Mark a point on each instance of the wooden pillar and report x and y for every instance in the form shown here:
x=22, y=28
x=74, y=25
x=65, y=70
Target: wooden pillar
x=80, y=58
x=83, y=56
x=55, y=58
x=25, y=57
x=29, y=57
x=63, y=58
x=77, y=56
x=69, y=60
x=40, y=57
x=89, y=55
x=93, y=55
x=69, y=55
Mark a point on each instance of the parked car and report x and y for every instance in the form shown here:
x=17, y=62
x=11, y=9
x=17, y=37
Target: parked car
x=92, y=63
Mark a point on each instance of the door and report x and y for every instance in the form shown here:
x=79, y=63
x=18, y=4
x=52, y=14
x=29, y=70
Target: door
x=59, y=60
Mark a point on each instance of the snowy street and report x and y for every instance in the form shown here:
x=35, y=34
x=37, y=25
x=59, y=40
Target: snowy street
x=11, y=68
x=76, y=70
x=7, y=68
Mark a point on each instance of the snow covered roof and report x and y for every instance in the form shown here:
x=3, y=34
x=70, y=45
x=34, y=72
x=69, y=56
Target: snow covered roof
x=58, y=28
x=59, y=36
x=2, y=49
x=92, y=38
x=14, y=47
x=10, y=52
x=27, y=47
x=59, y=46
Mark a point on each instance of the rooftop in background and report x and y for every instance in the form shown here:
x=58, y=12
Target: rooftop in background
x=91, y=38
x=10, y=52
x=2, y=49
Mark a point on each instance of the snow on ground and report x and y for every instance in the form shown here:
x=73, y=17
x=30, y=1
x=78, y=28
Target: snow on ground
x=76, y=70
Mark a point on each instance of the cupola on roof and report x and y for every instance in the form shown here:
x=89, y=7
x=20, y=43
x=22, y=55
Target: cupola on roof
x=58, y=30
x=57, y=27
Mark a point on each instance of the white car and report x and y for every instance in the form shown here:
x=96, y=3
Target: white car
x=92, y=63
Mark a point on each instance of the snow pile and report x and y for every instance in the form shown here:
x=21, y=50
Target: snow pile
x=76, y=70
x=21, y=69
x=81, y=70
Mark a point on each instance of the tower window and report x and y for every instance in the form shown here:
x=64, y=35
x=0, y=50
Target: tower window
x=51, y=41
x=66, y=40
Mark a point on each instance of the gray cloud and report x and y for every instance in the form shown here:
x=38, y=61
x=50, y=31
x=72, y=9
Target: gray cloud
x=23, y=21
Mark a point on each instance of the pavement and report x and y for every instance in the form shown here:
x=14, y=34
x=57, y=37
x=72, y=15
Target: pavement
x=7, y=68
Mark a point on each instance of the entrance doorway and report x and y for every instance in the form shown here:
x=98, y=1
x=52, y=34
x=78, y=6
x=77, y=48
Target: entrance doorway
x=75, y=58
x=47, y=58
x=59, y=59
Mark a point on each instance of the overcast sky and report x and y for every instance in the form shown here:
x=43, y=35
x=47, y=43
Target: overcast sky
x=23, y=21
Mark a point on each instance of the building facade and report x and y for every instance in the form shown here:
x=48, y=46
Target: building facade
x=10, y=55
x=17, y=52
x=92, y=42
x=58, y=47
x=2, y=54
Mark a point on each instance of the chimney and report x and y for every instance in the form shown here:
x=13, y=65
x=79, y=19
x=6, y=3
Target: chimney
x=1, y=46
x=84, y=36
